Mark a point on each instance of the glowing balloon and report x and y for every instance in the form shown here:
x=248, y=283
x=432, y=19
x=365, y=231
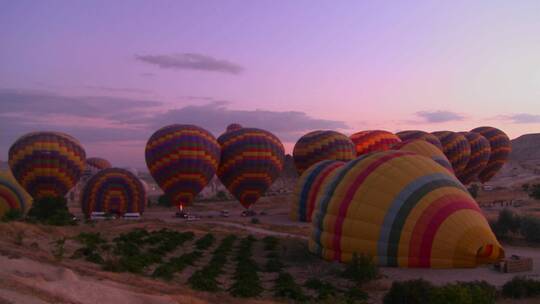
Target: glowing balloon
x=373, y=140
x=456, y=148
x=12, y=195
x=500, y=151
x=415, y=134
x=480, y=151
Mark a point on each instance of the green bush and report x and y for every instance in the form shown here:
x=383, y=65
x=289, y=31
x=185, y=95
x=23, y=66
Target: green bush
x=530, y=228
x=246, y=280
x=270, y=243
x=273, y=265
x=520, y=287
x=164, y=201
x=355, y=295
x=324, y=289
x=205, y=242
x=286, y=287
x=51, y=211
x=12, y=215
x=409, y=292
x=361, y=269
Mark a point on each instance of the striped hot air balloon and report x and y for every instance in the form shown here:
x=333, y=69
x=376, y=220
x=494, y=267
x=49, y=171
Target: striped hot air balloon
x=97, y=163
x=12, y=195
x=113, y=190
x=426, y=149
x=308, y=187
x=500, y=151
x=403, y=210
x=415, y=134
x=233, y=127
x=456, y=148
x=373, y=141
x=322, y=145
x=480, y=152
x=182, y=159
x=47, y=163
x=251, y=159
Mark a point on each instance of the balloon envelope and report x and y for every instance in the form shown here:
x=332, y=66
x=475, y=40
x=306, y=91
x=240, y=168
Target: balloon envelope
x=233, y=127
x=500, y=151
x=12, y=195
x=426, y=149
x=480, y=152
x=373, y=141
x=415, y=134
x=97, y=163
x=456, y=148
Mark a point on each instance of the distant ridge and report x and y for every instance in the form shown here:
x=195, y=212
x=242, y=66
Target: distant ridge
x=526, y=147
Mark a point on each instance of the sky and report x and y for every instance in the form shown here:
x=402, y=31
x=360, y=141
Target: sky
x=112, y=72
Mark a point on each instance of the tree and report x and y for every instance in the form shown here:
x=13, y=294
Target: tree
x=164, y=201
x=51, y=211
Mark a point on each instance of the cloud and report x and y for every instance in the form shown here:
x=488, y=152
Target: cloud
x=439, y=116
x=191, y=61
x=521, y=118
x=118, y=90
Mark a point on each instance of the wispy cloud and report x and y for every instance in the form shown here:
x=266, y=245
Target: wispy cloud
x=439, y=116
x=118, y=90
x=191, y=61
x=521, y=118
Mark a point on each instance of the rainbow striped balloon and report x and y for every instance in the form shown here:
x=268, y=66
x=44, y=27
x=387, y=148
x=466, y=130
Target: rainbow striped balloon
x=480, y=151
x=251, y=159
x=500, y=151
x=373, y=141
x=97, y=163
x=415, y=134
x=308, y=187
x=426, y=149
x=403, y=210
x=47, y=163
x=321, y=145
x=182, y=159
x=12, y=195
x=456, y=148
x=113, y=190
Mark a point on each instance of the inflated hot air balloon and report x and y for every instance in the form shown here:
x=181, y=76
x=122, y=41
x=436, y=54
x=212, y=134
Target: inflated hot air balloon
x=373, y=140
x=113, y=190
x=233, y=127
x=456, y=148
x=404, y=210
x=308, y=187
x=97, y=163
x=182, y=159
x=500, y=151
x=480, y=151
x=321, y=145
x=426, y=149
x=12, y=195
x=47, y=163
x=251, y=159
x=415, y=134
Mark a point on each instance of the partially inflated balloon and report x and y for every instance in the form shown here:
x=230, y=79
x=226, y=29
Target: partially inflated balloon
x=308, y=187
x=182, y=159
x=500, y=151
x=415, y=134
x=373, y=141
x=426, y=149
x=97, y=163
x=456, y=148
x=251, y=159
x=403, y=210
x=113, y=190
x=321, y=145
x=233, y=127
x=480, y=151
x=47, y=163
x=12, y=195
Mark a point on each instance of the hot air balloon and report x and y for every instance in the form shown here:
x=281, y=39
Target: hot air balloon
x=415, y=134
x=500, y=151
x=47, y=163
x=426, y=149
x=113, y=190
x=404, y=210
x=12, y=195
x=97, y=163
x=308, y=186
x=456, y=148
x=233, y=127
x=182, y=159
x=480, y=151
x=251, y=159
x=373, y=140
x=321, y=145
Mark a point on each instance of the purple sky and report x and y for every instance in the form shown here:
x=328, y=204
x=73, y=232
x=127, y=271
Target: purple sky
x=112, y=72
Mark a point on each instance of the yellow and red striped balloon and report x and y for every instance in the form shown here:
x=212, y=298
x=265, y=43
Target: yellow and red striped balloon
x=251, y=159
x=500, y=151
x=12, y=195
x=404, y=210
x=47, y=163
x=308, y=187
x=415, y=134
x=113, y=190
x=480, y=152
x=456, y=148
x=320, y=145
x=373, y=141
x=426, y=149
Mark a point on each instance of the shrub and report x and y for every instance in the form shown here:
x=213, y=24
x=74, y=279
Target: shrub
x=255, y=221
x=409, y=292
x=12, y=215
x=361, y=269
x=520, y=287
x=525, y=187
x=164, y=201
x=205, y=242
x=534, y=191
x=286, y=287
x=530, y=228
x=221, y=195
x=273, y=265
x=324, y=289
x=246, y=280
x=270, y=243
x=355, y=295
x=473, y=190
x=507, y=221
x=51, y=211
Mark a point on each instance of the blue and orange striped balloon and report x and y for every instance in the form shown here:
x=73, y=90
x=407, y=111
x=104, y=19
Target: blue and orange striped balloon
x=97, y=163
x=416, y=134
x=500, y=151
x=113, y=190
x=47, y=163
x=480, y=152
x=321, y=145
x=182, y=159
x=373, y=141
x=12, y=195
x=251, y=159
x=456, y=148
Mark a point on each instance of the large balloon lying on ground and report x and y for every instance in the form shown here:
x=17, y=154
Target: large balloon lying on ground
x=182, y=159
x=322, y=145
x=12, y=195
x=480, y=151
x=373, y=140
x=456, y=148
x=415, y=134
x=113, y=190
x=47, y=163
x=251, y=159
x=308, y=187
x=97, y=163
x=426, y=149
x=402, y=209
x=500, y=151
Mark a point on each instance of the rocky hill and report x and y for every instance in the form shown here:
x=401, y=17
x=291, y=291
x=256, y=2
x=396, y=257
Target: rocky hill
x=526, y=147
